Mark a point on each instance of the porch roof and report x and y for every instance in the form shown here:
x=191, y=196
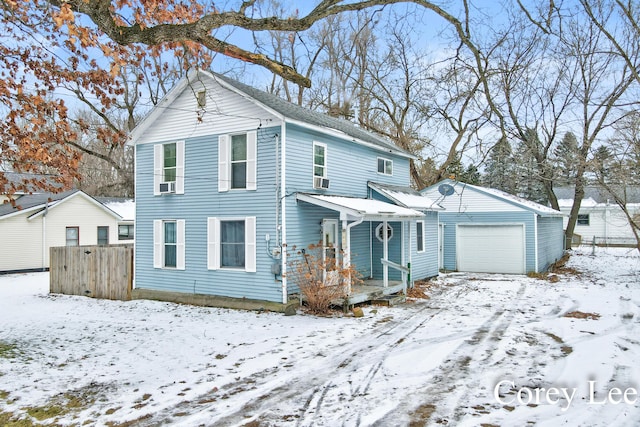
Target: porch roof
x=405, y=196
x=359, y=208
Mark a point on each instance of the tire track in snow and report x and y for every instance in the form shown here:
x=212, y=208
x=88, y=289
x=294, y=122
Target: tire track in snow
x=470, y=355
x=264, y=390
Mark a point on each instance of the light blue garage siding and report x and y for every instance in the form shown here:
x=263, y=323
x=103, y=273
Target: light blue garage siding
x=450, y=220
x=200, y=200
x=550, y=241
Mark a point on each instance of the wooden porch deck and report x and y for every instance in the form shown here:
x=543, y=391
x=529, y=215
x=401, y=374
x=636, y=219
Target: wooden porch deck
x=371, y=290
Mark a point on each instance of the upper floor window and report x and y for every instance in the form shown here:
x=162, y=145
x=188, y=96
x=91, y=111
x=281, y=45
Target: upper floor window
x=319, y=160
x=583, y=219
x=168, y=168
x=385, y=166
x=237, y=161
x=169, y=163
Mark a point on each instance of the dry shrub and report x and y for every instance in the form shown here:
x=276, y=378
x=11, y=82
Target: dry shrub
x=582, y=315
x=322, y=280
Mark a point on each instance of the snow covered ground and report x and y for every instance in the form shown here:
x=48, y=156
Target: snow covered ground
x=484, y=349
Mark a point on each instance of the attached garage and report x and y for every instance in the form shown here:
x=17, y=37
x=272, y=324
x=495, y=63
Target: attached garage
x=491, y=248
x=485, y=230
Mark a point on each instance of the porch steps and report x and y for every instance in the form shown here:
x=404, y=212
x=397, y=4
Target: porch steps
x=390, y=300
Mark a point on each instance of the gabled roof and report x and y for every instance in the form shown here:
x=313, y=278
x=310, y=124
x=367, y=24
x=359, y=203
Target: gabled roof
x=286, y=110
x=405, y=196
x=459, y=187
x=37, y=203
x=25, y=179
x=598, y=194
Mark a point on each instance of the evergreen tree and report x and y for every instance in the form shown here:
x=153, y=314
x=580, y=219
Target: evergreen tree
x=529, y=184
x=566, y=159
x=471, y=175
x=601, y=164
x=499, y=170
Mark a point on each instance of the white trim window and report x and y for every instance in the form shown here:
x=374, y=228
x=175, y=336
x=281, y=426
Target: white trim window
x=237, y=161
x=419, y=236
x=583, y=219
x=73, y=236
x=168, y=168
x=319, y=162
x=231, y=243
x=385, y=166
x=169, y=244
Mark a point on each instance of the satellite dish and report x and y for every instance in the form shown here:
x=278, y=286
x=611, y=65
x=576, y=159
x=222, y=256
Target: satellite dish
x=446, y=189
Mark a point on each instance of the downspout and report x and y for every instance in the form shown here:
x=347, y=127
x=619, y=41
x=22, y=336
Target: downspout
x=277, y=185
x=535, y=242
x=283, y=201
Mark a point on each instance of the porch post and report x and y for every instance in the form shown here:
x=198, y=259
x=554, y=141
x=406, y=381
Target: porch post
x=385, y=254
x=346, y=251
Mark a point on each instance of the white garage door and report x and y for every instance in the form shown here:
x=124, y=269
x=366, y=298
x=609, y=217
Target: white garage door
x=490, y=248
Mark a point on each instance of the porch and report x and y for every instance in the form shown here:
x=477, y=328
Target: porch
x=372, y=290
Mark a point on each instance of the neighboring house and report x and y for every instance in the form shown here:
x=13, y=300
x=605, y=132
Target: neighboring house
x=488, y=230
x=599, y=216
x=40, y=221
x=126, y=208
x=230, y=178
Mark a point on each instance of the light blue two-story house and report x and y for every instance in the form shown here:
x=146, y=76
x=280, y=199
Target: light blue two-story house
x=230, y=178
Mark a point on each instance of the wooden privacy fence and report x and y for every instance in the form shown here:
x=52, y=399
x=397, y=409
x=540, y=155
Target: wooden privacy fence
x=95, y=271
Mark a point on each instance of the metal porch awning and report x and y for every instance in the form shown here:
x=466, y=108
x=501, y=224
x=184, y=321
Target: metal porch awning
x=355, y=208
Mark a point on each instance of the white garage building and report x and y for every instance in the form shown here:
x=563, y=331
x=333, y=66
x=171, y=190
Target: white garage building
x=489, y=231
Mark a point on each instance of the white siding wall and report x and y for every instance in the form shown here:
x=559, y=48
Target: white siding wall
x=605, y=223
x=22, y=238
x=21, y=243
x=224, y=112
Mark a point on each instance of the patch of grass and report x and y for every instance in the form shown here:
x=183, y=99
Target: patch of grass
x=582, y=315
x=8, y=350
x=8, y=419
x=66, y=403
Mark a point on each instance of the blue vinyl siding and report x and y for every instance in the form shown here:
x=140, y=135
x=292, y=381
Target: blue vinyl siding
x=201, y=200
x=550, y=242
x=425, y=264
x=451, y=219
x=349, y=166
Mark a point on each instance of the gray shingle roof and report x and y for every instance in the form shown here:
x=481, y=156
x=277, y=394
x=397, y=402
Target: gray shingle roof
x=599, y=194
x=296, y=112
x=32, y=201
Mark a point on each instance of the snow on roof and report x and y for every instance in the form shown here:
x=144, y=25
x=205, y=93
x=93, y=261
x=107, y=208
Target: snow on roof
x=586, y=203
x=126, y=209
x=366, y=208
x=541, y=209
x=406, y=196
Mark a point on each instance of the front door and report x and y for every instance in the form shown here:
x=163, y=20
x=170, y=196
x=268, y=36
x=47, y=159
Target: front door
x=330, y=245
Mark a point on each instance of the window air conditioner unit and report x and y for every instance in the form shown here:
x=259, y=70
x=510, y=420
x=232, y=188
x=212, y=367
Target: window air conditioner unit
x=167, y=187
x=319, y=182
